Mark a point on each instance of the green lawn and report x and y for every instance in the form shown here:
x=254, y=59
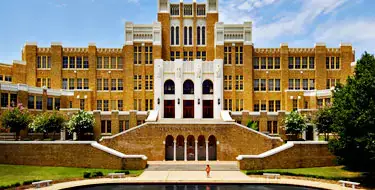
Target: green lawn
x=10, y=174
x=334, y=173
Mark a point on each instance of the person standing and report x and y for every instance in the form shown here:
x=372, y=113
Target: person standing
x=208, y=170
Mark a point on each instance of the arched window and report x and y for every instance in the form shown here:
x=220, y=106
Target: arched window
x=188, y=87
x=203, y=35
x=169, y=87
x=177, y=35
x=185, y=35
x=199, y=35
x=172, y=35
x=190, y=35
x=208, y=87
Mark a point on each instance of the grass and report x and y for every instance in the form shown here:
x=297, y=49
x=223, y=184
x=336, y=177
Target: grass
x=10, y=174
x=332, y=173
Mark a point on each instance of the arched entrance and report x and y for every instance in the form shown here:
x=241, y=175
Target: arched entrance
x=212, y=152
x=169, y=105
x=190, y=147
x=169, y=148
x=180, y=147
x=201, y=148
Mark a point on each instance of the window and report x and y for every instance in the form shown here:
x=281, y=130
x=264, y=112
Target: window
x=121, y=125
x=306, y=105
x=327, y=63
x=169, y=87
x=148, y=55
x=256, y=85
x=99, y=63
x=239, y=55
x=188, y=87
x=39, y=62
x=312, y=84
x=332, y=62
x=113, y=84
x=256, y=107
x=137, y=82
x=65, y=62
x=106, y=62
x=208, y=87
x=295, y=104
x=44, y=62
x=106, y=126
x=70, y=104
x=172, y=35
x=311, y=62
x=190, y=35
x=227, y=55
x=79, y=62
x=188, y=56
x=297, y=63
x=263, y=64
x=327, y=101
x=120, y=84
x=320, y=103
x=337, y=63
x=105, y=105
x=305, y=84
x=64, y=83
x=332, y=83
x=271, y=106
x=228, y=82
x=99, y=104
x=175, y=55
x=137, y=104
x=120, y=105
x=57, y=103
x=291, y=63
x=297, y=84
x=228, y=104
x=30, y=102
x=263, y=84
x=203, y=35
x=4, y=100
x=277, y=62
x=304, y=62
x=105, y=84
x=256, y=62
x=85, y=62
x=198, y=35
x=82, y=104
x=99, y=84
x=39, y=102
x=239, y=104
x=72, y=62
x=113, y=63
x=79, y=84
x=8, y=78
x=277, y=84
x=49, y=103
x=13, y=100
x=185, y=35
x=149, y=104
x=271, y=86
x=270, y=63
x=120, y=64
x=71, y=84
x=263, y=106
x=177, y=35
x=239, y=82
x=149, y=82
x=291, y=84
x=201, y=55
x=278, y=105
x=137, y=55
x=272, y=127
x=86, y=84
x=201, y=10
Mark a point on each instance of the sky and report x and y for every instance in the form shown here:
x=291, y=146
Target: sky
x=76, y=23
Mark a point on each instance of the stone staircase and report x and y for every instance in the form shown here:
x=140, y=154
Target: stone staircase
x=191, y=166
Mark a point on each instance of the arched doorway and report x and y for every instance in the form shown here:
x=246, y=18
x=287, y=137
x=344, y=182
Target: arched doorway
x=169, y=87
x=212, y=149
x=169, y=148
x=188, y=87
x=208, y=105
x=180, y=147
x=201, y=148
x=208, y=87
x=190, y=147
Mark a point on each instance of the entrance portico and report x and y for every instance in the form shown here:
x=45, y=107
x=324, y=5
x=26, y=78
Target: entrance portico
x=189, y=89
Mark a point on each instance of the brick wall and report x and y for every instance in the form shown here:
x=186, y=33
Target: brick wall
x=66, y=154
x=296, y=155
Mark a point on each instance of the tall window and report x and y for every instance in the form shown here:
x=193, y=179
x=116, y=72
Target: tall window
x=120, y=105
x=138, y=104
x=311, y=62
x=227, y=55
x=304, y=62
x=137, y=82
x=228, y=82
x=120, y=84
x=188, y=35
x=201, y=55
x=72, y=62
x=270, y=64
x=30, y=102
x=99, y=84
x=113, y=84
x=201, y=35
x=239, y=82
x=175, y=35
x=137, y=55
x=148, y=55
x=44, y=62
x=185, y=35
x=333, y=63
x=71, y=84
x=175, y=55
x=82, y=104
x=188, y=56
x=49, y=103
x=99, y=63
x=106, y=126
x=65, y=62
x=198, y=35
x=263, y=64
x=239, y=104
x=85, y=62
x=291, y=63
x=172, y=36
x=208, y=87
x=256, y=62
x=277, y=62
x=149, y=104
x=149, y=82
x=105, y=84
x=239, y=55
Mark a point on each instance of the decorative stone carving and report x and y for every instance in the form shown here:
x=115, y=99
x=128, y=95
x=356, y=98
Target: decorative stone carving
x=218, y=71
x=198, y=72
x=159, y=71
x=179, y=72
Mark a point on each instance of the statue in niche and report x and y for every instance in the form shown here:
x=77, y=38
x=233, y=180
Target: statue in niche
x=179, y=72
x=159, y=71
x=218, y=71
x=198, y=72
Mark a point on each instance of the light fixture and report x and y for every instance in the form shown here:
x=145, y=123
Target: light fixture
x=158, y=101
x=178, y=101
x=218, y=101
x=199, y=101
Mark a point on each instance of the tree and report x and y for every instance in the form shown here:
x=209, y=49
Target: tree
x=253, y=125
x=324, y=122
x=16, y=119
x=295, y=123
x=353, y=113
x=48, y=123
x=81, y=123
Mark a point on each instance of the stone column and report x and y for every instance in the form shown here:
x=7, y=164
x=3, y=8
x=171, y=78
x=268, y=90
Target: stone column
x=185, y=151
x=196, y=150
x=62, y=135
x=174, y=150
x=206, y=150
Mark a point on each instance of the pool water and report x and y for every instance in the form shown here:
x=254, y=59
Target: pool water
x=193, y=187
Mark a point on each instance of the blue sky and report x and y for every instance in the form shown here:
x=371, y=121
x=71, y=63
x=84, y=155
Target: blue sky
x=75, y=23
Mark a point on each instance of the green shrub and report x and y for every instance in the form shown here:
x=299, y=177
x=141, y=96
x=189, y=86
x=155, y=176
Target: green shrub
x=16, y=184
x=97, y=174
x=126, y=172
x=86, y=174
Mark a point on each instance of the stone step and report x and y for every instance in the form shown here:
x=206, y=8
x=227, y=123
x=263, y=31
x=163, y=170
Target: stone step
x=192, y=167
